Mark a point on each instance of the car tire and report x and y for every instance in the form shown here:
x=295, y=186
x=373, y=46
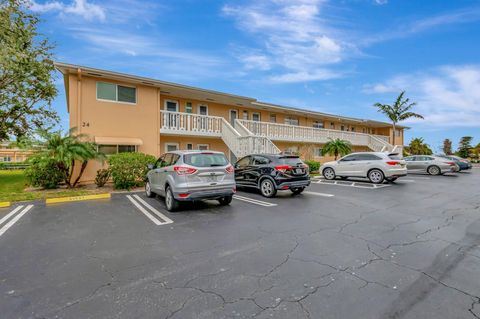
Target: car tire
x=376, y=176
x=148, y=190
x=391, y=179
x=170, y=202
x=267, y=188
x=297, y=191
x=434, y=170
x=224, y=201
x=328, y=173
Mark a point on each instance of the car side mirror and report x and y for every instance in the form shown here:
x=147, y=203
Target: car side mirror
x=150, y=166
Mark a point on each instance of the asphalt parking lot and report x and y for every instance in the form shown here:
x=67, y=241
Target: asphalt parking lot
x=409, y=249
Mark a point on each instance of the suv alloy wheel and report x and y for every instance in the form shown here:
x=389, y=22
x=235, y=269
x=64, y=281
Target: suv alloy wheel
x=267, y=188
x=376, y=176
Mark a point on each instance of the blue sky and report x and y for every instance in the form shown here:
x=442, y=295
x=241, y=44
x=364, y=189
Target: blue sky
x=332, y=56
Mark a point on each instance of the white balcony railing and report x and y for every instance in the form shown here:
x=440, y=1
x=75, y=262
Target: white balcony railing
x=292, y=133
x=190, y=124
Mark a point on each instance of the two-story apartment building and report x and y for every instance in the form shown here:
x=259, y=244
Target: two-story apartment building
x=125, y=113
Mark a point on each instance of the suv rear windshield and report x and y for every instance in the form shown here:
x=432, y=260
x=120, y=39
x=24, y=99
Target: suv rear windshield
x=290, y=160
x=394, y=156
x=205, y=159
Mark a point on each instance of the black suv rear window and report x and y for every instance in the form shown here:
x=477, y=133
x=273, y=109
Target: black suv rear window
x=290, y=160
x=205, y=159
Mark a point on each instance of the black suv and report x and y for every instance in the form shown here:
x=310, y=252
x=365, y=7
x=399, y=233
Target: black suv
x=271, y=172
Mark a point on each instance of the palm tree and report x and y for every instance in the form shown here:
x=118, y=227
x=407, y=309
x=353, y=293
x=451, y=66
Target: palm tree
x=65, y=150
x=337, y=146
x=399, y=111
x=418, y=146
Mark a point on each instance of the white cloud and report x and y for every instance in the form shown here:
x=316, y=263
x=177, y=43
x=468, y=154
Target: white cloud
x=381, y=2
x=82, y=8
x=295, y=42
x=446, y=96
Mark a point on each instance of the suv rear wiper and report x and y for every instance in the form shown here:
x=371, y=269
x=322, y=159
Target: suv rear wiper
x=214, y=165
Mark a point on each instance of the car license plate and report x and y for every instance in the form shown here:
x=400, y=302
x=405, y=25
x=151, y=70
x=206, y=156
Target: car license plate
x=211, y=178
x=298, y=171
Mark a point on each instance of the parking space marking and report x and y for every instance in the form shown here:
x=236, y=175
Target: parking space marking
x=356, y=184
x=253, y=201
x=318, y=194
x=146, y=213
x=153, y=210
x=14, y=219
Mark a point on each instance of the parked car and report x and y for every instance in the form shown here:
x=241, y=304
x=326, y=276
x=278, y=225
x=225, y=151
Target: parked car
x=463, y=164
x=272, y=172
x=376, y=166
x=191, y=175
x=430, y=164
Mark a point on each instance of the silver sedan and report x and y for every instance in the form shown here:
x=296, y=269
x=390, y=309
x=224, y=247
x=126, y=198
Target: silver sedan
x=430, y=164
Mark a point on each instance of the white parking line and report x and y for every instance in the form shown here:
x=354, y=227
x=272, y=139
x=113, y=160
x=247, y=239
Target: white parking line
x=146, y=213
x=318, y=194
x=356, y=184
x=156, y=212
x=406, y=180
x=14, y=219
x=253, y=201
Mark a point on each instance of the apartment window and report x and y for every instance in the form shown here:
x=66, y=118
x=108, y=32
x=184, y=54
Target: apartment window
x=256, y=117
x=332, y=125
x=116, y=93
x=342, y=128
x=245, y=115
x=6, y=159
x=398, y=133
x=352, y=129
x=291, y=150
x=318, y=124
x=203, y=110
x=171, y=106
x=170, y=147
x=189, y=146
x=273, y=118
x=318, y=152
x=291, y=121
x=188, y=107
x=114, y=149
x=203, y=147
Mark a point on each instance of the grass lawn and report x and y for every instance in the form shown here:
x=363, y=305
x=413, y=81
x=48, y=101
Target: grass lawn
x=13, y=184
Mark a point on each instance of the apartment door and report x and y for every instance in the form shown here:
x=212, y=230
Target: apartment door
x=233, y=117
x=171, y=119
x=203, y=110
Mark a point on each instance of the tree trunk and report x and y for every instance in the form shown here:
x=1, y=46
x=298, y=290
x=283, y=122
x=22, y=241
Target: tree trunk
x=336, y=155
x=393, y=135
x=82, y=169
x=69, y=174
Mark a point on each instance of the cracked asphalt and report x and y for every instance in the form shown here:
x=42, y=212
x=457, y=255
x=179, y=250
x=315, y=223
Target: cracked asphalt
x=410, y=250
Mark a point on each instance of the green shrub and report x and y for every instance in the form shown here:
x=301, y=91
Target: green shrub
x=44, y=173
x=313, y=165
x=102, y=177
x=129, y=169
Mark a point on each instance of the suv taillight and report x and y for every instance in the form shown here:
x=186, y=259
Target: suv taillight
x=229, y=169
x=393, y=163
x=183, y=170
x=282, y=168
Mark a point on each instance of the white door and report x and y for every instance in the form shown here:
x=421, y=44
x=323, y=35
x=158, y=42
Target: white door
x=171, y=119
x=233, y=117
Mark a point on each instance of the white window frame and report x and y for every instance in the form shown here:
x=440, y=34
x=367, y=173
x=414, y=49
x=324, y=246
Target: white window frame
x=318, y=154
x=191, y=105
x=207, y=145
x=316, y=122
x=171, y=144
x=290, y=118
x=116, y=93
x=259, y=116
x=165, y=104
x=199, y=106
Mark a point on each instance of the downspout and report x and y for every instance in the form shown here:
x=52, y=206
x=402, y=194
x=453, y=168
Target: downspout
x=79, y=100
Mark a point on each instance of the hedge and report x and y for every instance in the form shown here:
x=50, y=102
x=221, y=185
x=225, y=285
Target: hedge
x=313, y=166
x=129, y=169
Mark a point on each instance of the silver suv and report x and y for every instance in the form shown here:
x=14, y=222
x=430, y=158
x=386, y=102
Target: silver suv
x=376, y=166
x=191, y=175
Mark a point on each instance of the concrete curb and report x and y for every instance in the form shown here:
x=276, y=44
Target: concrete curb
x=56, y=200
x=5, y=204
